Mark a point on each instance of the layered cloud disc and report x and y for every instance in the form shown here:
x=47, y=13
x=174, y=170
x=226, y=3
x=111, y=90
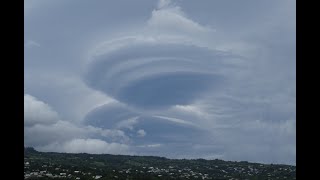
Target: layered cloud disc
x=144, y=130
x=155, y=73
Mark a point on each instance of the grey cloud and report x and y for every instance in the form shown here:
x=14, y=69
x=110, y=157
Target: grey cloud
x=45, y=131
x=154, y=74
x=163, y=134
x=109, y=116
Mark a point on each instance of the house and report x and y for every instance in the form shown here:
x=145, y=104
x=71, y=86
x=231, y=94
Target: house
x=97, y=177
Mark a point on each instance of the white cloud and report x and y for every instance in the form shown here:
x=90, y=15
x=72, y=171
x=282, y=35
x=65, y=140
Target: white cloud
x=175, y=120
x=191, y=111
x=92, y=146
x=43, y=127
x=115, y=135
x=141, y=133
x=151, y=146
x=38, y=112
x=171, y=19
x=41, y=134
x=128, y=123
x=163, y=3
x=77, y=99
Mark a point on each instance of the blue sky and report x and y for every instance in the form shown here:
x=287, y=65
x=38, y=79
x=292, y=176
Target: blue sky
x=181, y=79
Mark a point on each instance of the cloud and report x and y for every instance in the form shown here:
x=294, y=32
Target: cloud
x=141, y=133
x=163, y=3
x=77, y=99
x=43, y=129
x=145, y=129
x=150, y=74
x=173, y=76
x=43, y=125
x=154, y=68
x=92, y=146
x=33, y=6
x=150, y=146
x=257, y=138
x=110, y=115
x=170, y=18
x=114, y=135
x=38, y=112
x=175, y=120
x=128, y=123
x=256, y=126
x=39, y=134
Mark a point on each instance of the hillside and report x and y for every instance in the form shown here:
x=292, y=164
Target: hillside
x=45, y=165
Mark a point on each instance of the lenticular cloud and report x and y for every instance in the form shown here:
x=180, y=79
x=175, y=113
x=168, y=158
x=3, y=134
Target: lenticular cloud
x=150, y=72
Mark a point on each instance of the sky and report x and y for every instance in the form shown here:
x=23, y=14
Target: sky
x=173, y=78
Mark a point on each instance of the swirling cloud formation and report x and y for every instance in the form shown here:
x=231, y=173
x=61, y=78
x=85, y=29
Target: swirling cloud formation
x=148, y=73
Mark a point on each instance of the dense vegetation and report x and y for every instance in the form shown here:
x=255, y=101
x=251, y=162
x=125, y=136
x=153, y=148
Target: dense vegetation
x=41, y=165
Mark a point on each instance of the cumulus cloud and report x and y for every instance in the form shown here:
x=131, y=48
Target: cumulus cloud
x=43, y=129
x=40, y=134
x=170, y=18
x=38, y=112
x=141, y=133
x=43, y=124
x=77, y=99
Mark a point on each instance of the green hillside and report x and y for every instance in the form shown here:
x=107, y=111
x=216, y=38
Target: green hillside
x=45, y=165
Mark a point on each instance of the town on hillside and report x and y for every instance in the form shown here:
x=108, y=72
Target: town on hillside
x=45, y=165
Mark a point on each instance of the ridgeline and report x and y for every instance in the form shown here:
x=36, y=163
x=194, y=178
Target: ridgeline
x=49, y=165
